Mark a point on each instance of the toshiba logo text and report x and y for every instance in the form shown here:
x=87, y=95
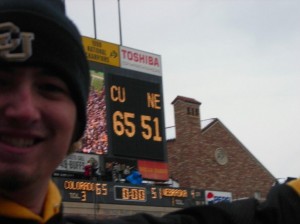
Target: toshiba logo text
x=140, y=61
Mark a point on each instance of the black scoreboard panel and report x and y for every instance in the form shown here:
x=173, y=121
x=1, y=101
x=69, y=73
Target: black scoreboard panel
x=135, y=115
x=135, y=110
x=115, y=193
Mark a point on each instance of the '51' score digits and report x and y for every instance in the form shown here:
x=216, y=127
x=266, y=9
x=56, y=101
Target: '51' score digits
x=128, y=123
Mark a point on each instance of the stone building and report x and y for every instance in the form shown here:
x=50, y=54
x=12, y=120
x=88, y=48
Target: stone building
x=206, y=155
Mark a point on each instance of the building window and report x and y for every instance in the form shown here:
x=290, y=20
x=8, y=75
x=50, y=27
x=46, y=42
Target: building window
x=193, y=111
x=189, y=111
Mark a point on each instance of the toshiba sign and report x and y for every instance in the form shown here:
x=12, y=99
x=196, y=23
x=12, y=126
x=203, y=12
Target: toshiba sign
x=140, y=61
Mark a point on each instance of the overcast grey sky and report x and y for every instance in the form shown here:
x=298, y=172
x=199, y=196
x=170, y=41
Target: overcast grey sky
x=240, y=59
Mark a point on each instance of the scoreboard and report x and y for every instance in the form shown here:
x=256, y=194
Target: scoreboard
x=135, y=114
x=87, y=191
x=125, y=109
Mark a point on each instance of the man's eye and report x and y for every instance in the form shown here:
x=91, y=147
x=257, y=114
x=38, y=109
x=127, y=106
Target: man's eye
x=52, y=88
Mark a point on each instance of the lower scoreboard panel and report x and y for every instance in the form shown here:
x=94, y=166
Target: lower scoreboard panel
x=120, y=193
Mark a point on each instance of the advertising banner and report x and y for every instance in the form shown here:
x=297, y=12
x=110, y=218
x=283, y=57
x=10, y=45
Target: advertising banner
x=101, y=51
x=153, y=170
x=140, y=61
x=213, y=197
x=76, y=162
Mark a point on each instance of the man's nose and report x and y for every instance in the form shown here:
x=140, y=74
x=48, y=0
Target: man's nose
x=22, y=105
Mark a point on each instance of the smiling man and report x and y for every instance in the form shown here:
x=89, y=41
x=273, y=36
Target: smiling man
x=37, y=114
x=44, y=86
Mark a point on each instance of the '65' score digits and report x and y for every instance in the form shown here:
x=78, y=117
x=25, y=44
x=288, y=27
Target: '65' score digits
x=136, y=118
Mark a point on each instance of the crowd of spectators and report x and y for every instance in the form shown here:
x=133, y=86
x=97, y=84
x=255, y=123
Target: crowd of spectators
x=95, y=139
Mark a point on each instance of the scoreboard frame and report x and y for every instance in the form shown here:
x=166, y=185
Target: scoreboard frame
x=135, y=113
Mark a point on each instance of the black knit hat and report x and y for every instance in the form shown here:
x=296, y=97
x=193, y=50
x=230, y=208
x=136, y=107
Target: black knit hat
x=37, y=32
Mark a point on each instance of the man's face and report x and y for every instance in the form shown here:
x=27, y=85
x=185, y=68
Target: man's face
x=37, y=122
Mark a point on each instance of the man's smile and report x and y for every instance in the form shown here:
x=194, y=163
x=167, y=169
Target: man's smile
x=18, y=142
